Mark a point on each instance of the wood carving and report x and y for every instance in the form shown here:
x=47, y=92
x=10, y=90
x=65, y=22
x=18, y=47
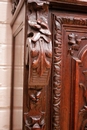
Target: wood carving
x=85, y=96
x=35, y=117
x=39, y=46
x=83, y=86
x=74, y=43
x=14, y=5
x=38, y=58
x=34, y=120
x=35, y=95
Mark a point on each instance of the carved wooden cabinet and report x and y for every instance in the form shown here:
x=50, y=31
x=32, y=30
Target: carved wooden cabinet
x=55, y=65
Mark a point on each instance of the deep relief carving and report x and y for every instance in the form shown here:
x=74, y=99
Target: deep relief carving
x=38, y=58
x=14, y=5
x=34, y=94
x=39, y=45
x=35, y=117
x=74, y=42
x=57, y=75
x=34, y=120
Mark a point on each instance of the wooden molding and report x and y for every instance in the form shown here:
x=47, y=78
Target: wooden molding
x=57, y=60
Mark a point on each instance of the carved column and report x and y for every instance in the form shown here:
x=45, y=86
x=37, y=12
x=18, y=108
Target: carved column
x=38, y=59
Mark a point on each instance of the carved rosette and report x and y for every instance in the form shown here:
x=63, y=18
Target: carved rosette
x=73, y=43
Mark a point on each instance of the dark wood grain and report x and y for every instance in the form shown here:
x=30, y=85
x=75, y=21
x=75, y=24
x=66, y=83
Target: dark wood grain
x=55, y=80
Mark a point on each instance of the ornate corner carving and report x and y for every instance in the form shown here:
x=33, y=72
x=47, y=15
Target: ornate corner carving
x=14, y=5
x=38, y=45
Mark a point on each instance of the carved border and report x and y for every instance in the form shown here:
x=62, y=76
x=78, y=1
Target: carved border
x=57, y=63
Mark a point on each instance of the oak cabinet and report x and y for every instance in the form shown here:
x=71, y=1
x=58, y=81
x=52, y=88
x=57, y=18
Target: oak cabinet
x=54, y=65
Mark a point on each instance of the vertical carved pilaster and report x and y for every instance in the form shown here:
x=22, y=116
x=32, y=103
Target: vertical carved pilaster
x=39, y=46
x=38, y=57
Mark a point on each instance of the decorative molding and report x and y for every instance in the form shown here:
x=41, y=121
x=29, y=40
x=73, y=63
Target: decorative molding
x=57, y=75
x=38, y=45
x=57, y=63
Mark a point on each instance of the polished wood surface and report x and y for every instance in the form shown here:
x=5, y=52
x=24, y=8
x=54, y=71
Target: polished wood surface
x=69, y=62
x=55, y=66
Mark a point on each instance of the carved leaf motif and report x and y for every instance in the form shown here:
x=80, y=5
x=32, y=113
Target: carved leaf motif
x=41, y=63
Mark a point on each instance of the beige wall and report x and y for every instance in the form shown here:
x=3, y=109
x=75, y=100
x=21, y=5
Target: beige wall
x=5, y=63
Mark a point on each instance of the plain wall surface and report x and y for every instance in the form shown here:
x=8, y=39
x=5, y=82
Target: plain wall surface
x=5, y=63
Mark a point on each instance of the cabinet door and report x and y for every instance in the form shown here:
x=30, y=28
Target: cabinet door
x=69, y=71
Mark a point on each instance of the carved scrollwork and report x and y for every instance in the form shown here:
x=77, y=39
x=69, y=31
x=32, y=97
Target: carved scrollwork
x=39, y=45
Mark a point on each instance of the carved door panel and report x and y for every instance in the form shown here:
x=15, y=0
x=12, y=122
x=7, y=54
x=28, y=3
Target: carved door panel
x=69, y=73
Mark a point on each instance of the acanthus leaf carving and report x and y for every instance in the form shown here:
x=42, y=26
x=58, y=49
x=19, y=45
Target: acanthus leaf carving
x=38, y=58
x=39, y=45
